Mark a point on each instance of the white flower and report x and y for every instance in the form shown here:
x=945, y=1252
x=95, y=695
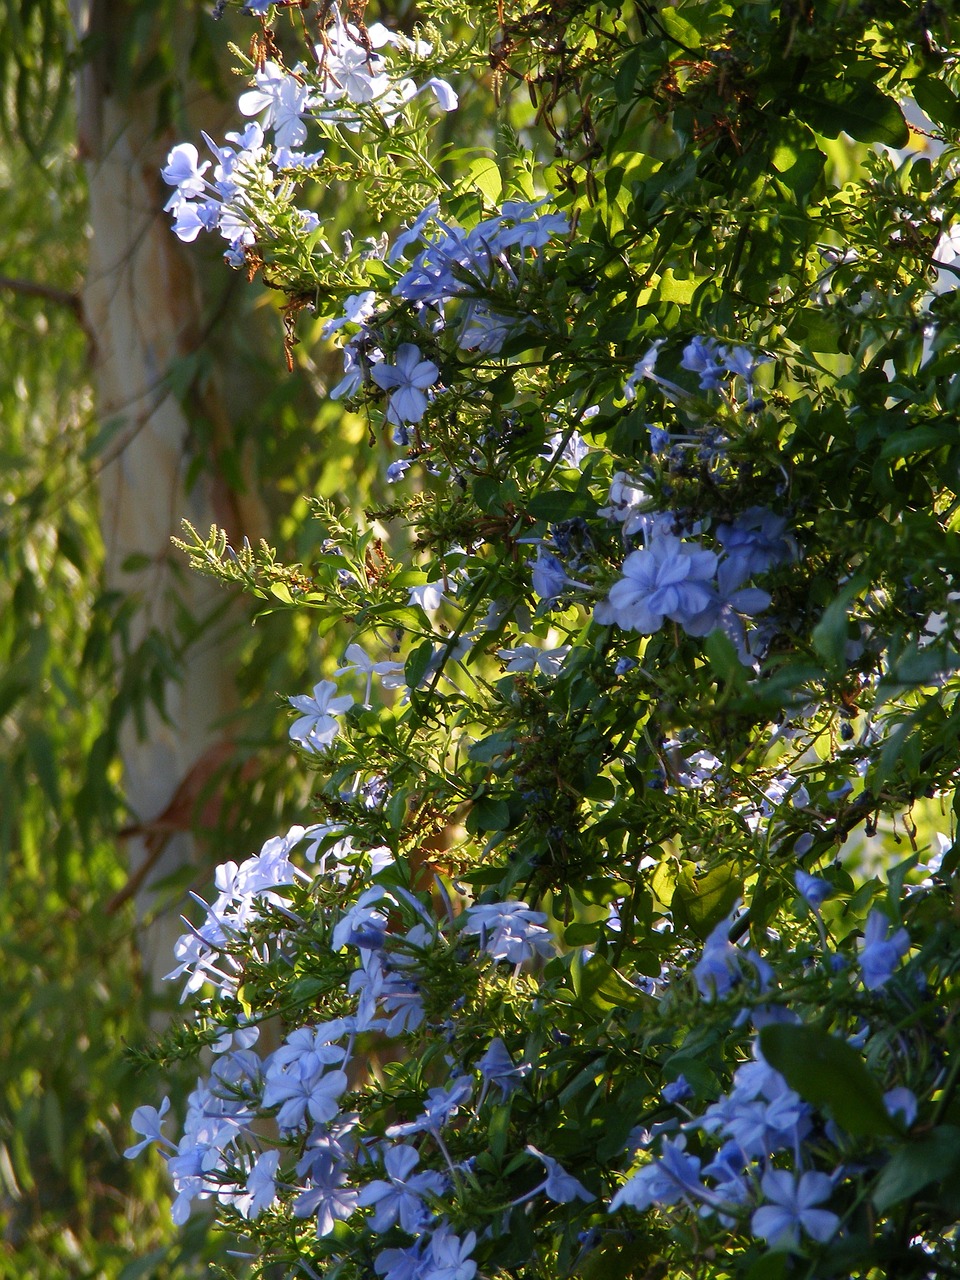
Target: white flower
x=356, y=659
x=948, y=249
x=353, y=74
x=184, y=170
x=527, y=657
x=428, y=596
x=284, y=99
x=316, y=727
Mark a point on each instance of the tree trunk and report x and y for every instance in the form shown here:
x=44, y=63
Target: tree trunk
x=144, y=308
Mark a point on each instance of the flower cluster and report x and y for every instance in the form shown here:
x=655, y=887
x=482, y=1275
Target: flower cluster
x=681, y=580
x=601, y=952
x=343, y=1171
x=348, y=84
x=759, y=1158
x=468, y=284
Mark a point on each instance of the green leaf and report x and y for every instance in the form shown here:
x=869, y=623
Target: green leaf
x=915, y=1165
x=796, y=158
x=701, y=902
x=493, y=746
x=938, y=101
x=828, y=1072
x=44, y=762
x=678, y=28
x=859, y=109
x=488, y=814
x=498, y=1132
x=302, y=990
x=769, y=1266
x=397, y=809
x=559, y=504
x=620, y=1256
x=664, y=882
x=812, y=329
x=582, y=933
x=830, y=634
x=626, y=78
x=672, y=288
x=485, y=176
x=723, y=659
x=905, y=444
x=603, y=988
x=415, y=667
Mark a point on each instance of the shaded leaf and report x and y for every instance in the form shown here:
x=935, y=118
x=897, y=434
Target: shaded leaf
x=916, y=1165
x=859, y=109
x=828, y=1072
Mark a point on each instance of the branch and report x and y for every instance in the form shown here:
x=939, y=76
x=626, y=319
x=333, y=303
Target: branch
x=33, y=289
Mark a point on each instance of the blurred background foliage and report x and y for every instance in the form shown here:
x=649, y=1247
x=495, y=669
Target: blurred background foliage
x=76, y=668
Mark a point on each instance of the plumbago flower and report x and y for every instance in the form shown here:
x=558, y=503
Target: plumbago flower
x=681, y=580
x=465, y=288
x=406, y=380
x=316, y=727
x=577, y=971
x=791, y=1209
x=347, y=84
x=669, y=579
x=281, y=99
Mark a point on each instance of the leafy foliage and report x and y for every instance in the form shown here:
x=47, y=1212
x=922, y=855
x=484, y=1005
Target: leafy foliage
x=664, y=594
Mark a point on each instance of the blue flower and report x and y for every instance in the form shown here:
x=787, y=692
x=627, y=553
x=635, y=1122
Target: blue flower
x=720, y=966
x=754, y=542
x=261, y=1188
x=705, y=357
x=901, y=1103
x=791, y=1209
x=448, y=1257
x=407, y=380
x=364, y=924
x=399, y=1198
x=412, y=233
x=510, y=931
x=743, y=363
x=761, y=1116
x=879, y=955
x=484, y=330
x=302, y=1093
x=400, y=1264
x=442, y=1104
x=148, y=1121
x=497, y=1067
x=678, y=1090
x=812, y=889
x=550, y=578
x=667, y=579
x=560, y=1186
x=329, y=1196
x=644, y=368
x=674, y=1176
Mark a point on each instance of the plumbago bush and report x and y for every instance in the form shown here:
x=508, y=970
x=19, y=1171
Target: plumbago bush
x=622, y=937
